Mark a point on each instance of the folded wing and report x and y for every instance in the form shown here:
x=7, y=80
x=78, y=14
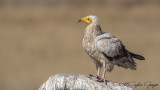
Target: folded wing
x=113, y=49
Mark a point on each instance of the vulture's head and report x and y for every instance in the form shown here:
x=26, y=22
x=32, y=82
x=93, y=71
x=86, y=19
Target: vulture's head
x=89, y=20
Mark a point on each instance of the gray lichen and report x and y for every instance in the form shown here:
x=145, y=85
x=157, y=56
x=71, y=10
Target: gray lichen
x=66, y=81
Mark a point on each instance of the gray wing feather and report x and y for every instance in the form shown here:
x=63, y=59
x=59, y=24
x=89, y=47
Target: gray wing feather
x=113, y=49
x=109, y=44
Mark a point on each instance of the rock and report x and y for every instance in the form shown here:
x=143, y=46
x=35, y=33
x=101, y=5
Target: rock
x=67, y=81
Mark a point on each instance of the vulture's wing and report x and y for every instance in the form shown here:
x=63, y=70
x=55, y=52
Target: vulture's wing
x=112, y=48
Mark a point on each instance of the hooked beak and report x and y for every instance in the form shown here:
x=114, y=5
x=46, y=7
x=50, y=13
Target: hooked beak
x=80, y=20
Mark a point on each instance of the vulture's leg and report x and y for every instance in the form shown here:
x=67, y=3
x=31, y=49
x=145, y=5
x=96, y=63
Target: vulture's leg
x=103, y=76
x=98, y=72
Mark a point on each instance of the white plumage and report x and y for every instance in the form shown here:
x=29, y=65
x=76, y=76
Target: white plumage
x=105, y=49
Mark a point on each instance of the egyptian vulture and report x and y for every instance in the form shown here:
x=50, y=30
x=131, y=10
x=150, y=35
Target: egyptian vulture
x=105, y=49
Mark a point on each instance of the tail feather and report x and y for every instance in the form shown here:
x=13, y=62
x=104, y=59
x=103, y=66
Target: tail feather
x=137, y=56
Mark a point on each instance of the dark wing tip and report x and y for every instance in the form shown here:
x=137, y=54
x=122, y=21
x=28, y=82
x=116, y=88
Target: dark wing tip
x=137, y=56
x=140, y=57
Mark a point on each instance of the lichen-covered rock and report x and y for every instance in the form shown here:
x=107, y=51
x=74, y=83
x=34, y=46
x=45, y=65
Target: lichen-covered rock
x=66, y=81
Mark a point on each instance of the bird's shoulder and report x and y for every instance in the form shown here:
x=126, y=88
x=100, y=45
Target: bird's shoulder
x=108, y=36
x=109, y=40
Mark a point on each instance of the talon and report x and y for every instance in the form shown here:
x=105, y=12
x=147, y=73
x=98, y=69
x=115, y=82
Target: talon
x=98, y=77
x=101, y=80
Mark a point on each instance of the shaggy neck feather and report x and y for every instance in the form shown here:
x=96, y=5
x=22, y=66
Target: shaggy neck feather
x=93, y=29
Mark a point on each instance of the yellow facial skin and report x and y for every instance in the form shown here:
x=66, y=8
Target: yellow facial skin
x=87, y=20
